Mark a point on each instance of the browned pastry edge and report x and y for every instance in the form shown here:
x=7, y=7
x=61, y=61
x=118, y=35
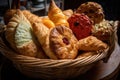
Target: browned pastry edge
x=91, y=43
x=93, y=10
x=63, y=42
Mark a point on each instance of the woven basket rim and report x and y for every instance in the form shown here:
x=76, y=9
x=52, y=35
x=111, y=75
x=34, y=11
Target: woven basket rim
x=31, y=61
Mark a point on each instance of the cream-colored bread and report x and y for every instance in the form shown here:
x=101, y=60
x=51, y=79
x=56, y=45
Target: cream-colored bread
x=42, y=33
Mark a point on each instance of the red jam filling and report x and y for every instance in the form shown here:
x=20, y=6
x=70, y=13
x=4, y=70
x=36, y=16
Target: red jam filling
x=65, y=40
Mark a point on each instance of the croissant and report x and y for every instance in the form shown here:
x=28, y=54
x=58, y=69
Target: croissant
x=91, y=43
x=42, y=34
x=56, y=15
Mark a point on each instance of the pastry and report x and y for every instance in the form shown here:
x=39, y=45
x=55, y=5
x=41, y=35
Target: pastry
x=81, y=25
x=47, y=22
x=103, y=30
x=42, y=34
x=20, y=36
x=10, y=31
x=41, y=53
x=68, y=13
x=91, y=43
x=63, y=42
x=8, y=15
x=56, y=15
x=93, y=10
x=31, y=17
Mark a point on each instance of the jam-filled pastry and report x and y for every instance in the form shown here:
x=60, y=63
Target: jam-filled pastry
x=93, y=10
x=91, y=43
x=56, y=15
x=42, y=34
x=63, y=42
x=19, y=35
x=81, y=25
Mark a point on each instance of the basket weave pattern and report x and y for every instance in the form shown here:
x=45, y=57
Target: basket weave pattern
x=55, y=69
x=48, y=68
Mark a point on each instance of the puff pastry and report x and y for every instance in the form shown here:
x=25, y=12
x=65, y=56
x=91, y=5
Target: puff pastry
x=91, y=43
x=47, y=22
x=31, y=17
x=42, y=34
x=63, y=42
x=19, y=34
x=8, y=15
x=56, y=15
x=68, y=13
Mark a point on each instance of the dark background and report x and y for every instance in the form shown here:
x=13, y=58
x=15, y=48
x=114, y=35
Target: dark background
x=111, y=7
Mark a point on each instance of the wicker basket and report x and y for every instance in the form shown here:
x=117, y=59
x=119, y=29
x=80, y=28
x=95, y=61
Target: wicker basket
x=53, y=69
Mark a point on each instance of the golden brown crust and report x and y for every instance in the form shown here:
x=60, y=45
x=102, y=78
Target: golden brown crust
x=31, y=17
x=68, y=13
x=28, y=49
x=40, y=52
x=42, y=34
x=63, y=42
x=47, y=22
x=91, y=43
x=93, y=10
x=56, y=15
x=10, y=29
x=19, y=35
x=8, y=15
